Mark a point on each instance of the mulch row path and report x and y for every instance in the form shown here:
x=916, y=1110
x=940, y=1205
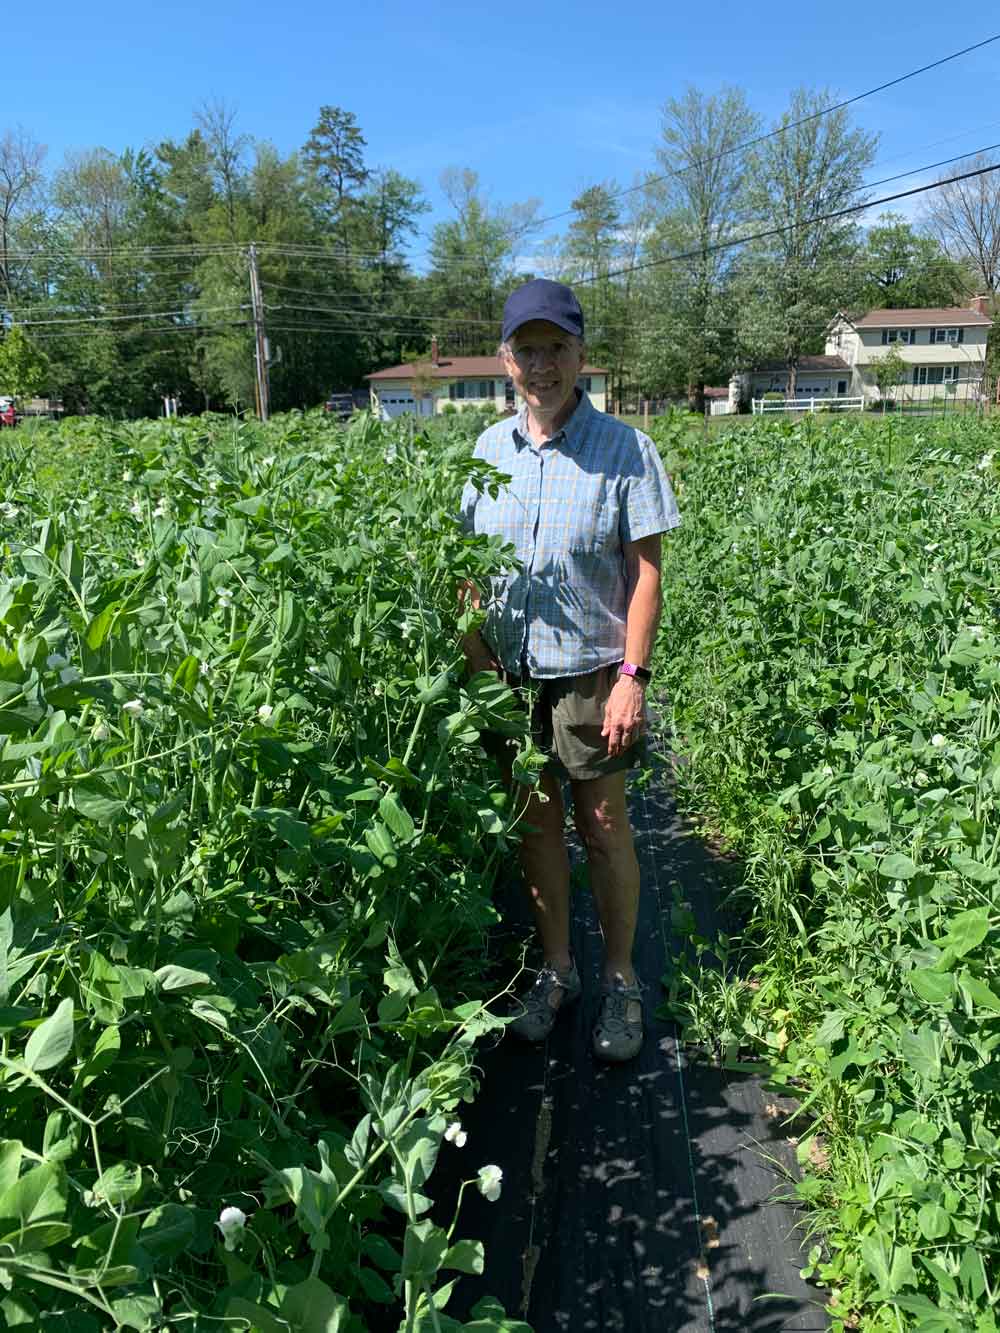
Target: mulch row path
x=638, y=1197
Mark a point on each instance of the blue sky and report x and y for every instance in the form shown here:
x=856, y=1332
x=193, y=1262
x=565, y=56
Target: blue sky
x=540, y=99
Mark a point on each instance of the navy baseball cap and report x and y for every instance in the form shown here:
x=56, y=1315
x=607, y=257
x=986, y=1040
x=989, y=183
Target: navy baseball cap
x=542, y=299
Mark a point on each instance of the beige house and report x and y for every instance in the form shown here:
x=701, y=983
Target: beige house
x=423, y=389
x=944, y=350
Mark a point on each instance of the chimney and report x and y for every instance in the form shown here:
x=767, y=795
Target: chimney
x=979, y=304
x=434, y=350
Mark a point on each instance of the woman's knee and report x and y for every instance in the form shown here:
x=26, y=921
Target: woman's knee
x=604, y=828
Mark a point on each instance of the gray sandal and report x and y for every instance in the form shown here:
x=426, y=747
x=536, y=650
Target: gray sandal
x=537, y=1014
x=618, y=1030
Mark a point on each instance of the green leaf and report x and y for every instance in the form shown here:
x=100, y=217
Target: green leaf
x=118, y=1184
x=934, y=987
x=94, y=801
x=488, y=1316
x=38, y=1196
x=61, y=1137
x=312, y=1307
x=933, y=1221
x=897, y=866
x=378, y=1249
x=167, y=1231
x=187, y=674
x=981, y=995
x=424, y=1247
x=968, y=930
x=181, y=980
x=375, y=1286
x=52, y=1040
x=100, y=626
x=11, y=1151
x=468, y=1256
x=397, y=817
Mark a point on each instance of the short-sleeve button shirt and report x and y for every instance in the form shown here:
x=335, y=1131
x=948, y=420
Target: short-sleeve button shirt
x=568, y=510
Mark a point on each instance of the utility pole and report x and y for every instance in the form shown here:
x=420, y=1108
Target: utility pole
x=260, y=341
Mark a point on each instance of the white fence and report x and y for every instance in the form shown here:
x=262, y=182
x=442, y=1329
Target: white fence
x=763, y=405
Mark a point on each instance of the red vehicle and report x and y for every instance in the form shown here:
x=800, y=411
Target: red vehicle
x=8, y=416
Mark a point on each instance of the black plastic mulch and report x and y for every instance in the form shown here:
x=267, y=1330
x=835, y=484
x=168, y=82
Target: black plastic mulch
x=639, y=1197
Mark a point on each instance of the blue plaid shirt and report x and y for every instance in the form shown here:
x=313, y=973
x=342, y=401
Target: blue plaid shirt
x=568, y=510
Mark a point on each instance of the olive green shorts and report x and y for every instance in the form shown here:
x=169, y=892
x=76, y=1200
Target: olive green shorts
x=567, y=715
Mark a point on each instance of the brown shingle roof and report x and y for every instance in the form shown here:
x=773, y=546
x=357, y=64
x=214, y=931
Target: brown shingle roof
x=458, y=367
x=808, y=363
x=932, y=317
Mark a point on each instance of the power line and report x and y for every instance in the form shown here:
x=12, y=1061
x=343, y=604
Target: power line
x=110, y=319
x=703, y=252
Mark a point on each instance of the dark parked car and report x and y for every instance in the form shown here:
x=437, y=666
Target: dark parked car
x=343, y=404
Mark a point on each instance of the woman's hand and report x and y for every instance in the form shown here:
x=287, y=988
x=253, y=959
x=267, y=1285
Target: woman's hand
x=477, y=655
x=624, y=715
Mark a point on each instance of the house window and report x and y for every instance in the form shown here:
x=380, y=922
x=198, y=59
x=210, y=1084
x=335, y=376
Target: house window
x=897, y=336
x=937, y=374
x=456, y=389
x=583, y=382
x=841, y=388
x=947, y=336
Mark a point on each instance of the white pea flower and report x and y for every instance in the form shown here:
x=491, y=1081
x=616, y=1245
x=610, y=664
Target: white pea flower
x=931, y=546
x=56, y=661
x=378, y=689
x=976, y=631
x=9, y=511
x=101, y=732
x=268, y=461
x=921, y=778
x=136, y=507
x=225, y=599
x=203, y=669
x=937, y=740
x=213, y=485
x=264, y=713
x=126, y=475
x=489, y=1182
x=231, y=1223
x=456, y=1134
x=134, y=708
x=986, y=461
x=408, y=631
x=69, y=674
x=827, y=771
x=735, y=547
x=162, y=509
x=828, y=532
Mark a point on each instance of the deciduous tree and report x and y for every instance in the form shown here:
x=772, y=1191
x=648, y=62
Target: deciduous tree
x=965, y=218
x=796, y=277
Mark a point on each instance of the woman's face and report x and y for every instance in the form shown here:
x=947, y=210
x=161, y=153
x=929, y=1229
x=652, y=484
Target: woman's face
x=544, y=361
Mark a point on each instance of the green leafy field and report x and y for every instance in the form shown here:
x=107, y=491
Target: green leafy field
x=247, y=844
x=831, y=652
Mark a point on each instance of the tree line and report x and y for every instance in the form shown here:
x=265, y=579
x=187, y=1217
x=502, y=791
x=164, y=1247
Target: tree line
x=124, y=277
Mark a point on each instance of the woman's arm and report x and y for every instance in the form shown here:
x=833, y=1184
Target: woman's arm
x=625, y=714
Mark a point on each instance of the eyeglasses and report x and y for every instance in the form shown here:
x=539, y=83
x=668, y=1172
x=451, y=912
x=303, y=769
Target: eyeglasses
x=531, y=354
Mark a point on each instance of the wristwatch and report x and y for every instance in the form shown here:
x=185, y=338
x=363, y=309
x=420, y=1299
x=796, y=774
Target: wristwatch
x=640, y=673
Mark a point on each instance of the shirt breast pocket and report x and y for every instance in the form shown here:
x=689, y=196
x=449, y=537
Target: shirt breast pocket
x=593, y=526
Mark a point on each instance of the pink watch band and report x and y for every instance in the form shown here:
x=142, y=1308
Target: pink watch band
x=638, y=672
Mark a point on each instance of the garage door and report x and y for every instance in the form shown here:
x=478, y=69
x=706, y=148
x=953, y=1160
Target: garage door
x=398, y=403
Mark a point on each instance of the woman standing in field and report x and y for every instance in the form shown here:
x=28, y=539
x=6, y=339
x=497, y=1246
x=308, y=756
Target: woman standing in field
x=585, y=508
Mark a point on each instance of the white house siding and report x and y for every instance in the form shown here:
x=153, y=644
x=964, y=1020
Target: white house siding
x=808, y=383
x=392, y=398
x=862, y=348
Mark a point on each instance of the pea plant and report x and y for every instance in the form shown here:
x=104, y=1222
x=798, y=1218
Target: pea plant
x=831, y=649
x=248, y=838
